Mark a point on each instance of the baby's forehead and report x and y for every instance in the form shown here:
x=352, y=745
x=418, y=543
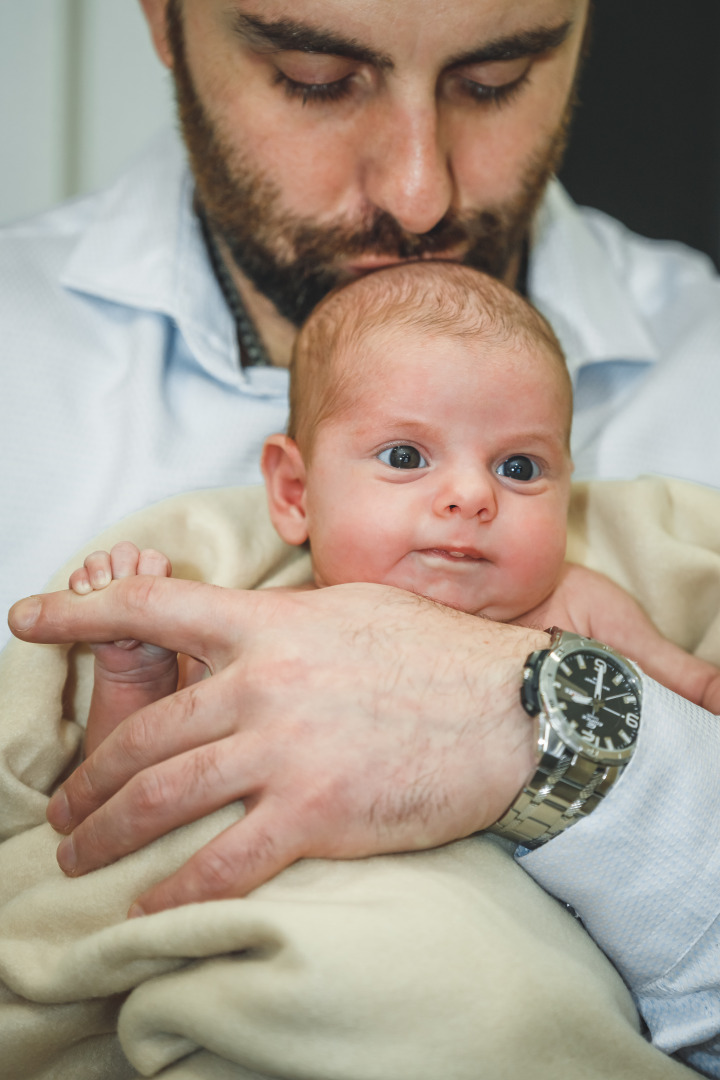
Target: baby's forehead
x=391, y=361
x=379, y=346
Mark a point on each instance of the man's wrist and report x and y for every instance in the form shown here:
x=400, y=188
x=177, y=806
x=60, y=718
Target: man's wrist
x=517, y=760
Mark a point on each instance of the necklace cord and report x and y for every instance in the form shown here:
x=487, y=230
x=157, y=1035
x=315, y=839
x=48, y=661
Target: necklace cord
x=251, y=351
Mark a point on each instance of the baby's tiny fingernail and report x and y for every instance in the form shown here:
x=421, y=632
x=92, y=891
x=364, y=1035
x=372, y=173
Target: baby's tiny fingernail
x=66, y=857
x=135, y=912
x=58, y=811
x=24, y=614
x=126, y=643
x=82, y=587
x=101, y=578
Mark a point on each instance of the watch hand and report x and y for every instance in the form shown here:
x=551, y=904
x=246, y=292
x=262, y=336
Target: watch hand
x=603, y=705
x=575, y=695
x=599, y=683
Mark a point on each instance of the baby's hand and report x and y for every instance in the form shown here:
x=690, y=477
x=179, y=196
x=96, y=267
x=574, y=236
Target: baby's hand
x=129, y=674
x=123, y=560
x=98, y=570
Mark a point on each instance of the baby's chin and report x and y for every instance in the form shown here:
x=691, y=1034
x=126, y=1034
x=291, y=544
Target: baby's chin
x=496, y=611
x=471, y=601
x=486, y=603
x=489, y=607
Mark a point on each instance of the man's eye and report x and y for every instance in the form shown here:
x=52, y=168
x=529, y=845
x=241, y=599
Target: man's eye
x=403, y=457
x=314, y=77
x=495, y=81
x=309, y=93
x=519, y=468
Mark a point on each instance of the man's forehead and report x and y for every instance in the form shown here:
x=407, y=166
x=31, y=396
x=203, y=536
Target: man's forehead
x=388, y=32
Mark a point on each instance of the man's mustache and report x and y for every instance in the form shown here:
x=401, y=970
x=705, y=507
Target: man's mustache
x=385, y=238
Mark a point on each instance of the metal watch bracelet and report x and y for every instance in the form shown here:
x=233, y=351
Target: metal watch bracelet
x=557, y=793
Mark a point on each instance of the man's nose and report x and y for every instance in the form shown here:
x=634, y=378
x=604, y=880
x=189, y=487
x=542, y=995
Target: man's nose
x=468, y=494
x=407, y=172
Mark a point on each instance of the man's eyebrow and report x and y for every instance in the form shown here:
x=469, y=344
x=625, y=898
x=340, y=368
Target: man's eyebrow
x=287, y=35
x=515, y=46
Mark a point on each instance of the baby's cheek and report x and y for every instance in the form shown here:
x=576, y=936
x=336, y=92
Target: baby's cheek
x=353, y=552
x=537, y=559
x=547, y=560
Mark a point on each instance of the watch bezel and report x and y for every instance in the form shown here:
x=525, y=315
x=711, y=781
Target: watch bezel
x=567, y=646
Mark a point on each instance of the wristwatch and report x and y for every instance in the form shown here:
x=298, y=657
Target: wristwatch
x=587, y=700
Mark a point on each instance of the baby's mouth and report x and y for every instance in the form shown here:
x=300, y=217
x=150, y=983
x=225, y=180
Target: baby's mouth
x=454, y=554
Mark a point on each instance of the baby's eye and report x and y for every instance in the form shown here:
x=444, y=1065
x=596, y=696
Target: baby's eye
x=519, y=468
x=403, y=457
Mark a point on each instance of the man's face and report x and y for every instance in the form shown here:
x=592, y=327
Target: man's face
x=449, y=476
x=333, y=136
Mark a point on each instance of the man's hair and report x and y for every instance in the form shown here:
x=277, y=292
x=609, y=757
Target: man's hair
x=437, y=298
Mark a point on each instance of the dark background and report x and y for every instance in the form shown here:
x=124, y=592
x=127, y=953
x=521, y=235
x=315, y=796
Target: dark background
x=645, y=141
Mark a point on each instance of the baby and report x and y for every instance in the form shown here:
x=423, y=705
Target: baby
x=427, y=448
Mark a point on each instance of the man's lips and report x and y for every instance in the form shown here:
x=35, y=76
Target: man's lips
x=365, y=263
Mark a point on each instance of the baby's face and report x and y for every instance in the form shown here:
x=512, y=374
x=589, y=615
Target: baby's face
x=449, y=476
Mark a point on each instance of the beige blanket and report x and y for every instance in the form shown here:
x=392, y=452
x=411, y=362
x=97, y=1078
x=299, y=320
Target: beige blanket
x=445, y=965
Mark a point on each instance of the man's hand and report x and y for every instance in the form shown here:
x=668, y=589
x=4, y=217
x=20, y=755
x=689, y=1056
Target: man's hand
x=351, y=720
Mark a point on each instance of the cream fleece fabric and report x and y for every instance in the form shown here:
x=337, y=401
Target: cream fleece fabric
x=445, y=965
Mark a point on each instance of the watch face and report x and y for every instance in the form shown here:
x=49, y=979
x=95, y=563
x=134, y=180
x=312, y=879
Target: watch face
x=593, y=701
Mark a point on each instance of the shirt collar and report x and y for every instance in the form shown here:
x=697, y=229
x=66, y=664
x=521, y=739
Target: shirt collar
x=144, y=249
x=575, y=282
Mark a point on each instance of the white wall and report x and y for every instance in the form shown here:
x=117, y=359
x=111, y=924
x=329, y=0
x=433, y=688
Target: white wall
x=81, y=91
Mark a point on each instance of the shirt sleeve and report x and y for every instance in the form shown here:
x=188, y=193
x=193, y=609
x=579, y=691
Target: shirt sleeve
x=643, y=873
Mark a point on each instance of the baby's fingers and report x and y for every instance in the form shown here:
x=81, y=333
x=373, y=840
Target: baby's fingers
x=95, y=573
x=155, y=563
x=127, y=560
x=124, y=559
x=80, y=582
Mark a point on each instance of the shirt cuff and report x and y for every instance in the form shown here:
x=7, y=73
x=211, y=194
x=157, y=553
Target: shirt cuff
x=643, y=870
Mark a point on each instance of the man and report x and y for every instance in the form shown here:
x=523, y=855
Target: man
x=328, y=138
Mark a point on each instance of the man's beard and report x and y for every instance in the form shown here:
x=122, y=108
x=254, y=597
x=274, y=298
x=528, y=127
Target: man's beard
x=293, y=261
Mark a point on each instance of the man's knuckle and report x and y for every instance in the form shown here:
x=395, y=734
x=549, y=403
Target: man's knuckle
x=189, y=704
x=203, y=770
x=261, y=852
x=89, y=838
x=218, y=870
x=152, y=793
x=139, y=594
x=134, y=738
x=81, y=790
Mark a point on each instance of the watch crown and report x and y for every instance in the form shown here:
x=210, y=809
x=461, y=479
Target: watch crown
x=529, y=695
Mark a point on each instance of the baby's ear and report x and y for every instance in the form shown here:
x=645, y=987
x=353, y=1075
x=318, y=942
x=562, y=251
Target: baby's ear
x=284, y=471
